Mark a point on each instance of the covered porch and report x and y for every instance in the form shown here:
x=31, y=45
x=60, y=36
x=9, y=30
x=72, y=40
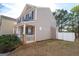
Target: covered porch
x=26, y=33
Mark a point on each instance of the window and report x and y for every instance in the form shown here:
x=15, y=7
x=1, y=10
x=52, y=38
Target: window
x=29, y=16
x=29, y=30
x=19, y=20
x=23, y=18
x=27, y=19
x=32, y=14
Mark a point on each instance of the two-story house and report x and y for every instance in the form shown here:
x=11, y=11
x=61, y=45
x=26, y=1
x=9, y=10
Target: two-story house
x=36, y=24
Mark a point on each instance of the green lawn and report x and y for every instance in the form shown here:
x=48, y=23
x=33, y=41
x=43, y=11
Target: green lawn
x=48, y=48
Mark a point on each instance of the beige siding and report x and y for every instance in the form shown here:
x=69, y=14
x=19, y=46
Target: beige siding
x=44, y=18
x=7, y=26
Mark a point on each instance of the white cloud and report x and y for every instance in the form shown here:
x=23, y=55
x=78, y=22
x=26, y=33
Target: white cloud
x=18, y=5
x=15, y=10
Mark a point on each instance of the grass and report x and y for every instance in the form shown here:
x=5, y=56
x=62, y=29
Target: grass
x=48, y=48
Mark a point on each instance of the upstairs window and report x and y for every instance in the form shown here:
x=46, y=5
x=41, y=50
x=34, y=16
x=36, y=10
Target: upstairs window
x=32, y=15
x=23, y=18
x=19, y=20
x=29, y=16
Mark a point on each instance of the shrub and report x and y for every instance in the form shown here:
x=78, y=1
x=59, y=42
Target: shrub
x=8, y=42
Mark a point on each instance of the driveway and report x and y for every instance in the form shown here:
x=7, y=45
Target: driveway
x=48, y=48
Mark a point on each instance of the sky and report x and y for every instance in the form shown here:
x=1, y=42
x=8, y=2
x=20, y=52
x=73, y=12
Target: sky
x=13, y=8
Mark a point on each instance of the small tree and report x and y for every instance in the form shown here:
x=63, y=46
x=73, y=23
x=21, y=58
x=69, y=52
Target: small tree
x=75, y=10
x=60, y=16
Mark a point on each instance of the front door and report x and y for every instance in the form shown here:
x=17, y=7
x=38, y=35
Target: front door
x=30, y=33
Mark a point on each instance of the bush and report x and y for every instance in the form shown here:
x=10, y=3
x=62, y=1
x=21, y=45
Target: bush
x=8, y=43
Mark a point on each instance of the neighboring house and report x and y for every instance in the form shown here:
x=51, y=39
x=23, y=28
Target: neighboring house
x=6, y=25
x=36, y=24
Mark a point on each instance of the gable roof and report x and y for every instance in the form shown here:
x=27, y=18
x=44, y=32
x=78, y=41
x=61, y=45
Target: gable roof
x=26, y=9
x=6, y=17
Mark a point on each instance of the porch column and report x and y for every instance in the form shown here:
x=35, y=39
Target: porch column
x=24, y=36
x=24, y=27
